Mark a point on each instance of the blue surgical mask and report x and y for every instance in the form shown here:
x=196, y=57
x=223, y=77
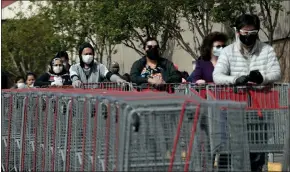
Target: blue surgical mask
x=217, y=51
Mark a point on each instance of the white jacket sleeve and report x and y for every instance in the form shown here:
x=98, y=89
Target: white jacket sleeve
x=273, y=72
x=221, y=73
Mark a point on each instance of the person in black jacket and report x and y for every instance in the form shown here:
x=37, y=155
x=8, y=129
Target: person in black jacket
x=152, y=68
x=57, y=75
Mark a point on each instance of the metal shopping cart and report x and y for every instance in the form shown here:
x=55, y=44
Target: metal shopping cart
x=104, y=130
x=266, y=117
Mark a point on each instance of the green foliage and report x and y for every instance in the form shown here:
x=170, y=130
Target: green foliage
x=28, y=45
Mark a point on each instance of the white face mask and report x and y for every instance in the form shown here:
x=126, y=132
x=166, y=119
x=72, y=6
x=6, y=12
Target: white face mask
x=87, y=59
x=57, y=69
x=217, y=51
x=20, y=85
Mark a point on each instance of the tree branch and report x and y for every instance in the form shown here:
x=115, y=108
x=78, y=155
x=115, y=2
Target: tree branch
x=132, y=45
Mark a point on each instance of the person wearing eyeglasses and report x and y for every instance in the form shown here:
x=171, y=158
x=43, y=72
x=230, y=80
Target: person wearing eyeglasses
x=152, y=68
x=210, y=50
x=248, y=59
x=56, y=76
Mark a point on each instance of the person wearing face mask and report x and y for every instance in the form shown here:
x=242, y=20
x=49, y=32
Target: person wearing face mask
x=65, y=60
x=152, y=68
x=210, y=50
x=248, y=59
x=89, y=71
x=56, y=76
x=19, y=83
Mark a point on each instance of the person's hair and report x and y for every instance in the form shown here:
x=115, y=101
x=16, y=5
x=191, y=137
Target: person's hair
x=82, y=47
x=247, y=20
x=18, y=78
x=127, y=77
x=30, y=74
x=62, y=54
x=184, y=74
x=207, y=43
x=149, y=39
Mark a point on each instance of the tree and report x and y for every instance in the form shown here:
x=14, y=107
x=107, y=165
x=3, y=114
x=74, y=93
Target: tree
x=28, y=44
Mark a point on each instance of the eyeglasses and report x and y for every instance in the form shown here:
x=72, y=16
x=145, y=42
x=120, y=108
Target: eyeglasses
x=250, y=32
x=220, y=46
x=152, y=46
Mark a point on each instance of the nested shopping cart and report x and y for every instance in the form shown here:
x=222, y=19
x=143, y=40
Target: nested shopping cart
x=266, y=116
x=101, y=130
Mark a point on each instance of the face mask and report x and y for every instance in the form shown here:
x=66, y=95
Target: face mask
x=57, y=69
x=87, y=59
x=248, y=40
x=153, y=53
x=20, y=85
x=217, y=51
x=115, y=70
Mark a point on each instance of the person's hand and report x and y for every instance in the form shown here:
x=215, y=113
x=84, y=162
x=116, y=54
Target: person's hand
x=156, y=81
x=57, y=83
x=200, y=82
x=256, y=77
x=242, y=80
x=77, y=84
x=184, y=80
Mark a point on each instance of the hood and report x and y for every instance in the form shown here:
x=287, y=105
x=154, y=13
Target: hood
x=51, y=64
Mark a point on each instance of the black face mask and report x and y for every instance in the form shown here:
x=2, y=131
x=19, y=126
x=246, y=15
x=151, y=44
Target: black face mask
x=152, y=53
x=248, y=40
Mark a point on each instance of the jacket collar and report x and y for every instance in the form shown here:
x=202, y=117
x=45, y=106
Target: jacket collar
x=160, y=61
x=255, y=49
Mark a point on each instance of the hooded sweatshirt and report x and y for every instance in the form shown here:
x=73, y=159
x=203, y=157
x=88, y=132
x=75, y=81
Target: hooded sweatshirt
x=50, y=76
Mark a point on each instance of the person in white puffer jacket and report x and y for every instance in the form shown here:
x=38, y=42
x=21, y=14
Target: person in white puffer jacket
x=248, y=59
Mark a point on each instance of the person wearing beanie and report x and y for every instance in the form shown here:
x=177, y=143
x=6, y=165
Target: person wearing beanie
x=89, y=71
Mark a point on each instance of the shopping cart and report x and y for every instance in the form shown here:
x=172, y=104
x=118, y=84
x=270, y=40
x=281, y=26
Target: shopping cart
x=176, y=88
x=105, y=130
x=286, y=157
x=266, y=115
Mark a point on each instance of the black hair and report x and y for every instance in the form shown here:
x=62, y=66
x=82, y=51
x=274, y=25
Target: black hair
x=30, y=74
x=149, y=39
x=207, y=43
x=127, y=77
x=184, y=74
x=62, y=54
x=247, y=20
x=18, y=78
x=82, y=47
x=51, y=66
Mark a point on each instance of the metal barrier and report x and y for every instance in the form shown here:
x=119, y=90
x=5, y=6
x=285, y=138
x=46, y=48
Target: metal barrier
x=106, y=130
x=286, y=157
x=266, y=116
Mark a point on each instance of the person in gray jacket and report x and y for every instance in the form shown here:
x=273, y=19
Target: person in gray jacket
x=248, y=59
x=89, y=71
